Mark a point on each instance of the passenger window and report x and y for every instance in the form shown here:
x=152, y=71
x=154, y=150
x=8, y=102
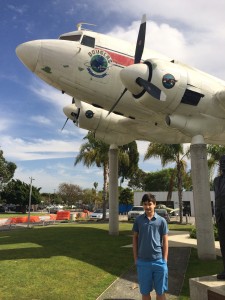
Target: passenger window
x=88, y=41
x=75, y=38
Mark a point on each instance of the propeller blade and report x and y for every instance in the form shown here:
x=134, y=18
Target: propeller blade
x=140, y=41
x=64, y=124
x=115, y=104
x=138, y=53
x=73, y=101
x=153, y=90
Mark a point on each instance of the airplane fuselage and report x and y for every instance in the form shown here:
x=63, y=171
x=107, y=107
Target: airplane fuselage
x=88, y=65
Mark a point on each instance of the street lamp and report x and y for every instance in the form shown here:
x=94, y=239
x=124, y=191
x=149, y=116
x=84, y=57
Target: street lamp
x=29, y=205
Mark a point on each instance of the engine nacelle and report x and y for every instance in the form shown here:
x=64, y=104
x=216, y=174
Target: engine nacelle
x=112, y=129
x=169, y=77
x=196, y=125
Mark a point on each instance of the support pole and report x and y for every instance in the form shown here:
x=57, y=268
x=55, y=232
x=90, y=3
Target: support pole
x=29, y=204
x=113, y=191
x=202, y=200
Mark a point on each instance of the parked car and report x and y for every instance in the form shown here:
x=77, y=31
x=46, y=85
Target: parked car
x=98, y=215
x=54, y=209
x=135, y=212
x=163, y=213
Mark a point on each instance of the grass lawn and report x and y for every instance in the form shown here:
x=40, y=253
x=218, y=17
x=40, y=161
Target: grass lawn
x=73, y=261
x=182, y=227
x=63, y=262
x=198, y=268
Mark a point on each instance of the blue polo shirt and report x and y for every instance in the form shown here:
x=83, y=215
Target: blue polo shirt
x=150, y=233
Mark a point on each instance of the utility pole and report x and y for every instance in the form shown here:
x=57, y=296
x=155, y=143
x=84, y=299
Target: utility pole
x=1, y=181
x=29, y=205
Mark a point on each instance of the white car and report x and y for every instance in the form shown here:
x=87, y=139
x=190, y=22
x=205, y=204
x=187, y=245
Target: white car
x=135, y=212
x=98, y=214
x=54, y=209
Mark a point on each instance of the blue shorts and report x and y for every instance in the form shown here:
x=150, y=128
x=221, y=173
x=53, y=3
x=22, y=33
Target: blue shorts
x=152, y=274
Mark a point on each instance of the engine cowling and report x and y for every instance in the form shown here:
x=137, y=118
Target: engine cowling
x=169, y=77
x=112, y=129
x=195, y=125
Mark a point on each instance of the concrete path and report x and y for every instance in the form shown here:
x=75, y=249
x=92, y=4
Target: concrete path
x=126, y=287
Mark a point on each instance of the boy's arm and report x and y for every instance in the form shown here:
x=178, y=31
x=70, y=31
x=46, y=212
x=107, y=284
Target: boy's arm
x=165, y=247
x=135, y=246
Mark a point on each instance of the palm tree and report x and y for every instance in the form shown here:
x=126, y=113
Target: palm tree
x=128, y=161
x=169, y=154
x=95, y=152
x=214, y=153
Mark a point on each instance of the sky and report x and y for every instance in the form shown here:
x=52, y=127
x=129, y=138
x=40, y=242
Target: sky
x=31, y=115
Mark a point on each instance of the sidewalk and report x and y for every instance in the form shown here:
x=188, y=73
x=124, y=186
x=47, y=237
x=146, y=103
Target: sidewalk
x=126, y=287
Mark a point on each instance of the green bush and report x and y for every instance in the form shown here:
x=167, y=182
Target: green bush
x=193, y=233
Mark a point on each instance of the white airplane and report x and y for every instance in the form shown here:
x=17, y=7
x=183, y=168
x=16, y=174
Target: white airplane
x=123, y=93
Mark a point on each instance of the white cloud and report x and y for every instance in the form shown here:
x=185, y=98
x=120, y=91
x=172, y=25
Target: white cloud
x=50, y=176
x=40, y=120
x=21, y=149
x=142, y=147
x=201, y=15
x=49, y=94
x=193, y=34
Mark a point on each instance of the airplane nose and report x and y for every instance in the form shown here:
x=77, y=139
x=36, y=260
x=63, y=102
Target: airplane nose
x=28, y=53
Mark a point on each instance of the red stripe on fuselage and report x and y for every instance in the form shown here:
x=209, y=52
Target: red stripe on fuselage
x=120, y=59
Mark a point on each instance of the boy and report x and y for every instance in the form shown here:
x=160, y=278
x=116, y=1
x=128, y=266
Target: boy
x=150, y=249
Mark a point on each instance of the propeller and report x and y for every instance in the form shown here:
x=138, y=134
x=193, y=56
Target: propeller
x=64, y=124
x=153, y=90
x=73, y=101
x=140, y=41
x=138, y=54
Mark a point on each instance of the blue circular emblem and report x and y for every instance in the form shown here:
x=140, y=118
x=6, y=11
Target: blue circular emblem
x=99, y=64
x=89, y=114
x=168, y=81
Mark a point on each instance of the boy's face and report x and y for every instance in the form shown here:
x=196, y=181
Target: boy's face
x=149, y=207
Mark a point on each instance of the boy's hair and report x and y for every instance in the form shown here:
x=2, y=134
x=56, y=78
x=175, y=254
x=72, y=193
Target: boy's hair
x=148, y=198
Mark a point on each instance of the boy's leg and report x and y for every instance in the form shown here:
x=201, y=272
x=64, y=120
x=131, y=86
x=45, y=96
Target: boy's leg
x=161, y=297
x=160, y=278
x=146, y=297
x=144, y=272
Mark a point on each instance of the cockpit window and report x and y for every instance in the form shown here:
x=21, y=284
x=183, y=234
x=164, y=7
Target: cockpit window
x=88, y=41
x=75, y=37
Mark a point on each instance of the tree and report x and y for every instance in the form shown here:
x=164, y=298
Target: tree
x=128, y=160
x=95, y=152
x=91, y=198
x=70, y=193
x=17, y=192
x=95, y=184
x=158, y=181
x=169, y=153
x=137, y=181
x=187, y=181
x=7, y=170
x=214, y=153
x=126, y=196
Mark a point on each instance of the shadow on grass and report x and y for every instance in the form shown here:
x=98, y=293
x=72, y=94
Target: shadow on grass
x=91, y=245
